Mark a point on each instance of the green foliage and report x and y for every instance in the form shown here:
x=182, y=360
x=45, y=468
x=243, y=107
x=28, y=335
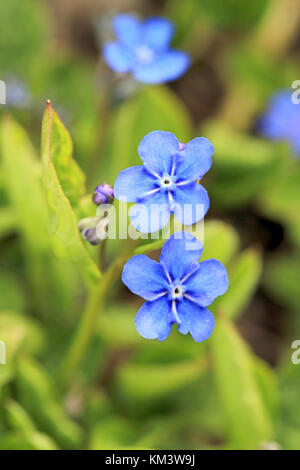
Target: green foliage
x=22, y=172
x=241, y=165
x=69, y=174
x=232, y=13
x=248, y=422
x=153, y=108
x=27, y=19
x=282, y=278
x=65, y=239
x=37, y=393
x=125, y=392
x=244, y=276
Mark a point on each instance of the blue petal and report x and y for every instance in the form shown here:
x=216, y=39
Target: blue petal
x=128, y=30
x=208, y=282
x=194, y=160
x=133, y=183
x=275, y=123
x=157, y=150
x=144, y=277
x=154, y=319
x=167, y=66
x=152, y=214
x=117, y=57
x=195, y=319
x=157, y=33
x=191, y=203
x=180, y=254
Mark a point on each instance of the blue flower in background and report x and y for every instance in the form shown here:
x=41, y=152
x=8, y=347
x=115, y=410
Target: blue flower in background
x=166, y=183
x=142, y=48
x=282, y=120
x=176, y=290
x=17, y=94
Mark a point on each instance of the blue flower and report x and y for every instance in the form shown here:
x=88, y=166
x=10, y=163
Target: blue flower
x=143, y=50
x=282, y=120
x=176, y=290
x=166, y=183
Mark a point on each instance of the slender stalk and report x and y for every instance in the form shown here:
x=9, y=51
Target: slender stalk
x=88, y=320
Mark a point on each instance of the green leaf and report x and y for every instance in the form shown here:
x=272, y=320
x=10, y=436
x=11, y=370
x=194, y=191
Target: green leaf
x=23, y=183
x=12, y=295
x=267, y=382
x=221, y=241
x=241, y=164
x=8, y=221
x=281, y=198
x=17, y=417
x=159, y=380
x=68, y=172
x=289, y=419
x=154, y=108
x=244, y=275
x=36, y=391
x=246, y=417
x=20, y=333
x=26, y=441
x=65, y=238
x=282, y=279
x=113, y=433
x=231, y=14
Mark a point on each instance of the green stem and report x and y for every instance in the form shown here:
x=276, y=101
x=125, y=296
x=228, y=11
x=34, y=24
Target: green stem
x=89, y=318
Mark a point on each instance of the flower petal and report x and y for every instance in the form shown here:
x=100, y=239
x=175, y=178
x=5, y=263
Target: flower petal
x=210, y=281
x=157, y=33
x=167, y=66
x=156, y=151
x=276, y=122
x=117, y=57
x=195, y=319
x=191, y=203
x=194, y=160
x=133, y=183
x=180, y=254
x=144, y=277
x=151, y=214
x=128, y=30
x=154, y=319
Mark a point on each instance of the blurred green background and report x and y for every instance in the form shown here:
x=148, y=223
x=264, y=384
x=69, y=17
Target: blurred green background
x=237, y=390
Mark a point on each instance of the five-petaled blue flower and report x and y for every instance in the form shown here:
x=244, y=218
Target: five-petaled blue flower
x=176, y=290
x=166, y=183
x=282, y=120
x=143, y=50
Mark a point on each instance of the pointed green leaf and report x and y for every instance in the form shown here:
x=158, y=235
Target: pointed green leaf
x=37, y=393
x=246, y=417
x=68, y=172
x=64, y=233
x=244, y=275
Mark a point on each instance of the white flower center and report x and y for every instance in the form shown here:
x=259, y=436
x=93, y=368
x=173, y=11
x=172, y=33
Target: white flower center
x=144, y=54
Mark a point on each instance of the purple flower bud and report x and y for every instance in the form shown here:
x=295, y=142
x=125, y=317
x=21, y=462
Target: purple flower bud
x=90, y=235
x=103, y=194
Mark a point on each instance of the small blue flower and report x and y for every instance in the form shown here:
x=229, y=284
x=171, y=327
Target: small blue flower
x=17, y=94
x=166, y=183
x=176, y=290
x=282, y=120
x=143, y=50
